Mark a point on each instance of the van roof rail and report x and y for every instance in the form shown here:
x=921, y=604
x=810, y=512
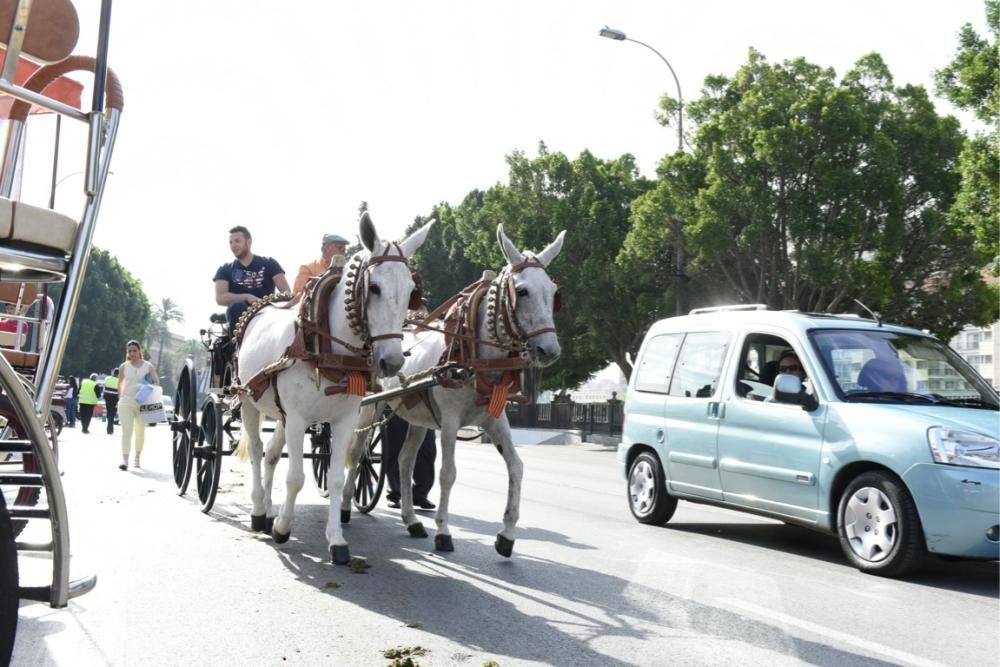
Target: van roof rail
x=719, y=309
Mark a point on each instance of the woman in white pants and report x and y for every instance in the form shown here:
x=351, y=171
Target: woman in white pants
x=135, y=372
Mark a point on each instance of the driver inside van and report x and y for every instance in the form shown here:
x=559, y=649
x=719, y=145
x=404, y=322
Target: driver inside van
x=789, y=362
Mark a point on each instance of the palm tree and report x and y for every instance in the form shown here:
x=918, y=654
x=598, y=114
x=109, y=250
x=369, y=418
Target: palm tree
x=164, y=313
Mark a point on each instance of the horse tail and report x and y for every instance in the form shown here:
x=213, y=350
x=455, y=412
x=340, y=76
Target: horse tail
x=243, y=448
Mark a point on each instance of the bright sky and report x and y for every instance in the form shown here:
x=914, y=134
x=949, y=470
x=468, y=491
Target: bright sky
x=283, y=116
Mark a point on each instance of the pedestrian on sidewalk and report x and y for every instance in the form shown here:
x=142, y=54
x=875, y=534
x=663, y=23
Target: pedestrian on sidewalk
x=111, y=400
x=134, y=373
x=90, y=392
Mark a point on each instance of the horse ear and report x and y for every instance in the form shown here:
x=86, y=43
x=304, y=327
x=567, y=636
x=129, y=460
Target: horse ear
x=552, y=250
x=510, y=253
x=416, y=239
x=369, y=237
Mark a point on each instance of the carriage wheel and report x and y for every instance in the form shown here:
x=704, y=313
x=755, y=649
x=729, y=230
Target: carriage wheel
x=319, y=435
x=208, y=453
x=370, y=475
x=26, y=462
x=184, y=427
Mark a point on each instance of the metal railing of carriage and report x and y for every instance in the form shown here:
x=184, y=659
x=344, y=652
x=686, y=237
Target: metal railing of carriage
x=33, y=253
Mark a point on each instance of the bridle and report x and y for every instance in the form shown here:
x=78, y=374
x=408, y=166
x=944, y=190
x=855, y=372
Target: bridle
x=356, y=292
x=501, y=300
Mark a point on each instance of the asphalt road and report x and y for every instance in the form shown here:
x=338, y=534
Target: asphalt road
x=587, y=585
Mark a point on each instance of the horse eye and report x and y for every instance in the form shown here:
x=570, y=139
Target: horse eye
x=522, y=292
x=375, y=289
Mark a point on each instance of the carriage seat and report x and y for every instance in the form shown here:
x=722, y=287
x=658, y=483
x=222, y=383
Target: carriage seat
x=57, y=38
x=34, y=239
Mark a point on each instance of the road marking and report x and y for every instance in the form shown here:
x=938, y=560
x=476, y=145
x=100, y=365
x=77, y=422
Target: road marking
x=869, y=647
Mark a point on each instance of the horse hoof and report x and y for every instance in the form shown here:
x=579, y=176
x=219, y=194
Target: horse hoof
x=257, y=522
x=345, y=516
x=443, y=543
x=504, y=546
x=417, y=530
x=269, y=524
x=341, y=555
x=280, y=538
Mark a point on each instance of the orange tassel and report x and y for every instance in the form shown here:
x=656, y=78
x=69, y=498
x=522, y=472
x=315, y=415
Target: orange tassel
x=357, y=384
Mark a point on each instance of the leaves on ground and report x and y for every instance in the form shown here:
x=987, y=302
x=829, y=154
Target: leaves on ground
x=491, y=663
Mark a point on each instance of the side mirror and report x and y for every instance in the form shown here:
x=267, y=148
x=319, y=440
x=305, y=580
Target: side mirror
x=788, y=389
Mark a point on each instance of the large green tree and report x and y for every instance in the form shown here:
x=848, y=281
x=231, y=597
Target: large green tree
x=441, y=261
x=971, y=82
x=817, y=191
x=603, y=316
x=112, y=310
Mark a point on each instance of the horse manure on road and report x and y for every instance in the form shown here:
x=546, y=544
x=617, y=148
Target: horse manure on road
x=359, y=566
x=332, y=584
x=402, y=656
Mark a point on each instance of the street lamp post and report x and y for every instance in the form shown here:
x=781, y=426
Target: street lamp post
x=620, y=36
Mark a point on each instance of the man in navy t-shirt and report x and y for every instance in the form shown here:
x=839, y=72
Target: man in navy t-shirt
x=247, y=279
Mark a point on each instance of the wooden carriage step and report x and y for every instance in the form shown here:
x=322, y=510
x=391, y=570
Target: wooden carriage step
x=28, y=512
x=34, y=546
x=19, y=359
x=21, y=479
x=21, y=446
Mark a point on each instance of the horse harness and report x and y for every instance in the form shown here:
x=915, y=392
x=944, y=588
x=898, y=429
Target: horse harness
x=497, y=381
x=313, y=342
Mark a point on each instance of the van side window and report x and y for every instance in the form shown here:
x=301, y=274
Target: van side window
x=657, y=363
x=759, y=365
x=699, y=364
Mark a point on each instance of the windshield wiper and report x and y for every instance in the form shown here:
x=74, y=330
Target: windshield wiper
x=897, y=396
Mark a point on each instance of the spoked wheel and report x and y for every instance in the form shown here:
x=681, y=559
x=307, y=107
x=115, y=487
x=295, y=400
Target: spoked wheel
x=319, y=435
x=370, y=476
x=208, y=453
x=184, y=427
x=17, y=462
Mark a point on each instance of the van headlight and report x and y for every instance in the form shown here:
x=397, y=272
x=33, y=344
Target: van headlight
x=963, y=448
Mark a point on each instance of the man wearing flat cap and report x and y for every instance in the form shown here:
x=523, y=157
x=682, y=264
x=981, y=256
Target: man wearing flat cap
x=333, y=244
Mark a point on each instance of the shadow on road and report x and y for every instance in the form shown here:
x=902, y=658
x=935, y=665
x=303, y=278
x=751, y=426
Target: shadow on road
x=525, y=608
x=971, y=577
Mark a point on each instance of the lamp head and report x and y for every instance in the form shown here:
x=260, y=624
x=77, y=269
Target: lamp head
x=611, y=33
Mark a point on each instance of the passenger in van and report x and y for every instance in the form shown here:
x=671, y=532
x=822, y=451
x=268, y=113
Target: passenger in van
x=882, y=375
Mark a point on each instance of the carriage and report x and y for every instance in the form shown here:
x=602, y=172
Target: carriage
x=206, y=428
x=41, y=247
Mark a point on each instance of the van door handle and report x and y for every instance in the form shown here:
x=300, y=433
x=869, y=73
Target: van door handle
x=715, y=410
x=659, y=435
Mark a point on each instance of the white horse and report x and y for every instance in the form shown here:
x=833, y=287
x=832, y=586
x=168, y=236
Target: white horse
x=366, y=318
x=515, y=316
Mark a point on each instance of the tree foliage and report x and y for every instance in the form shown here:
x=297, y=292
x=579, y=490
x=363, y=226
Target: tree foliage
x=164, y=313
x=815, y=191
x=602, y=319
x=971, y=82
x=112, y=310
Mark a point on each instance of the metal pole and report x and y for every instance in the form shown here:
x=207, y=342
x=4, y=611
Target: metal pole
x=680, y=276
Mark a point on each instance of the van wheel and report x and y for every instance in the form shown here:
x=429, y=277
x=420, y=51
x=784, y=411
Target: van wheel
x=647, y=491
x=878, y=526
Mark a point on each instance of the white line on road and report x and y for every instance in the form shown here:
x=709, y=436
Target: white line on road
x=871, y=648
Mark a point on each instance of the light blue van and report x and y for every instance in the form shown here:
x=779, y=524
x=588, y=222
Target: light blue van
x=879, y=434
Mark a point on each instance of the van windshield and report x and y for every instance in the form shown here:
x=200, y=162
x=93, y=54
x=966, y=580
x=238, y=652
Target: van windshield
x=884, y=366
